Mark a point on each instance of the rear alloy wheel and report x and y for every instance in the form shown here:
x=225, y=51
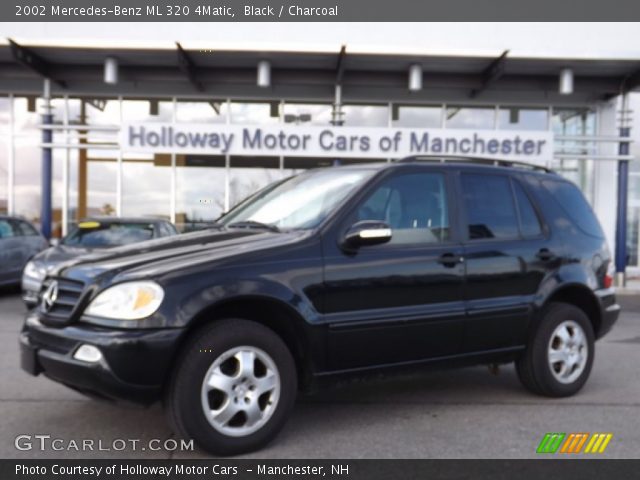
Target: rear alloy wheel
x=558, y=359
x=233, y=387
x=568, y=352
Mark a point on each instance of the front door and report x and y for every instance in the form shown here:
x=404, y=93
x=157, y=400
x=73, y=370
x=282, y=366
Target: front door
x=400, y=301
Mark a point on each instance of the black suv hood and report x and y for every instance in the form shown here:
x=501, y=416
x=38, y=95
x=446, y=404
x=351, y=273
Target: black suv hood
x=157, y=257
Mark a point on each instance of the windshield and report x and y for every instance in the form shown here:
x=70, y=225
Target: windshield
x=300, y=202
x=97, y=235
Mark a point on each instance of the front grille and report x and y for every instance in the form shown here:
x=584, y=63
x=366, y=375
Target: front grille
x=62, y=309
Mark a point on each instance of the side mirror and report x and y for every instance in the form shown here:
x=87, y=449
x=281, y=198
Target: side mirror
x=54, y=242
x=367, y=232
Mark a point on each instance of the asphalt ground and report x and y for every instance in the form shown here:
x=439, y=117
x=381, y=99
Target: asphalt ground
x=465, y=413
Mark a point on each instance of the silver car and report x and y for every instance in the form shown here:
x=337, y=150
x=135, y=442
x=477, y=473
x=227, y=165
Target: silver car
x=19, y=241
x=88, y=235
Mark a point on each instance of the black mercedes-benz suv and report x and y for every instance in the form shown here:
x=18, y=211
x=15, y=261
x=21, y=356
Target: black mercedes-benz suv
x=334, y=271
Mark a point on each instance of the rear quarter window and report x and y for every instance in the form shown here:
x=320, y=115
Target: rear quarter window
x=572, y=201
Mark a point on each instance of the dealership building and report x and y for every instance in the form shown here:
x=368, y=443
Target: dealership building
x=185, y=133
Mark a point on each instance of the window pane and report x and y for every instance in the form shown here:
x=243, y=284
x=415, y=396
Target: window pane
x=146, y=187
x=418, y=117
x=28, y=155
x=529, y=223
x=5, y=105
x=200, y=186
x=202, y=112
x=414, y=206
x=462, y=117
x=307, y=114
x=254, y=113
x=575, y=205
x=365, y=116
x=514, y=118
x=490, y=209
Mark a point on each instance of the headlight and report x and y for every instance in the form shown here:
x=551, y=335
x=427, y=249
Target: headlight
x=127, y=301
x=34, y=270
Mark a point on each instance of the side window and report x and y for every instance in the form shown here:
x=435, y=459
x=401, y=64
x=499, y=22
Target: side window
x=572, y=201
x=529, y=222
x=160, y=231
x=26, y=229
x=6, y=230
x=491, y=212
x=413, y=205
x=170, y=230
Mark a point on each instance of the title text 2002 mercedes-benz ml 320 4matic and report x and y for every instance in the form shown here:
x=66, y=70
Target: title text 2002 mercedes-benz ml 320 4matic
x=334, y=271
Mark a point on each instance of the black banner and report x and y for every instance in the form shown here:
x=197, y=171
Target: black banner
x=544, y=468
x=316, y=10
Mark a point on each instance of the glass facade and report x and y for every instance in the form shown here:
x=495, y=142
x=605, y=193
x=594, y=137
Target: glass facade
x=572, y=156
x=192, y=190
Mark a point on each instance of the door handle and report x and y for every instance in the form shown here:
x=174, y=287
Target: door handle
x=450, y=260
x=545, y=255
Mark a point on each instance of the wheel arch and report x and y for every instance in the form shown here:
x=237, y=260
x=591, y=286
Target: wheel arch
x=271, y=312
x=581, y=297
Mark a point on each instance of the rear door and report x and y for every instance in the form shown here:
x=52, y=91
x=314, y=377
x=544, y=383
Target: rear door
x=507, y=255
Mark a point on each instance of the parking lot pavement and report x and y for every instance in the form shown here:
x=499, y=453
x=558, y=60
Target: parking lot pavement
x=468, y=413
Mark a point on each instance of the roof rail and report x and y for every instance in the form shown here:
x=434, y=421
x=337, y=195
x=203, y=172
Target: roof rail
x=478, y=160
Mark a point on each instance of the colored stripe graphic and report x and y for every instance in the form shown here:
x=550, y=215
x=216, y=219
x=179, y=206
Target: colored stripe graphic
x=598, y=443
x=574, y=443
x=550, y=442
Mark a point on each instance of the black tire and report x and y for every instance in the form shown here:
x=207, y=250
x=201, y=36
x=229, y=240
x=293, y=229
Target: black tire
x=183, y=402
x=533, y=367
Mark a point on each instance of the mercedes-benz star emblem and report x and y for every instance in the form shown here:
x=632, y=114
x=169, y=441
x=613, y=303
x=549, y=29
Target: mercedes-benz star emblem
x=50, y=296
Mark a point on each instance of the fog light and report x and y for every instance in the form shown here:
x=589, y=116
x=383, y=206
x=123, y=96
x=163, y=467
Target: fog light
x=88, y=353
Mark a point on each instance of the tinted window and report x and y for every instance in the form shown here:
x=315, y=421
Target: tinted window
x=413, y=205
x=575, y=205
x=6, y=230
x=491, y=212
x=529, y=222
x=25, y=229
x=169, y=229
x=109, y=234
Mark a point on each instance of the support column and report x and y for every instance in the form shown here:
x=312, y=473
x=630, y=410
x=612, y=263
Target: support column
x=623, y=194
x=47, y=160
x=82, y=165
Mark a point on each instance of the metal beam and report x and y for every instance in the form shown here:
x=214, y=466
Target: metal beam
x=493, y=72
x=340, y=67
x=27, y=58
x=632, y=82
x=187, y=67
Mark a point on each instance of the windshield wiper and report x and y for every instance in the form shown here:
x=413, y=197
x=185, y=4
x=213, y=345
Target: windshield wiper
x=253, y=224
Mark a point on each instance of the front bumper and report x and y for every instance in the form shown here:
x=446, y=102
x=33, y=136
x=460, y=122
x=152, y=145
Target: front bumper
x=610, y=310
x=133, y=368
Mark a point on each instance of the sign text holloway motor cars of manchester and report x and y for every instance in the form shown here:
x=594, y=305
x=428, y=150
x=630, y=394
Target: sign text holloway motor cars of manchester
x=347, y=142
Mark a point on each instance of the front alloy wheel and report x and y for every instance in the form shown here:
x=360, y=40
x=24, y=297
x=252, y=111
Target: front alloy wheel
x=240, y=391
x=233, y=387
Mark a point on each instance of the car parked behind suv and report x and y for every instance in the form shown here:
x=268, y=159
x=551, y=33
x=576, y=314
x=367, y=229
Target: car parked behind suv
x=345, y=270
x=88, y=235
x=19, y=242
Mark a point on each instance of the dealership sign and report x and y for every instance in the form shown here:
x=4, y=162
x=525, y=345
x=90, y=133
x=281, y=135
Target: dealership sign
x=334, y=142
